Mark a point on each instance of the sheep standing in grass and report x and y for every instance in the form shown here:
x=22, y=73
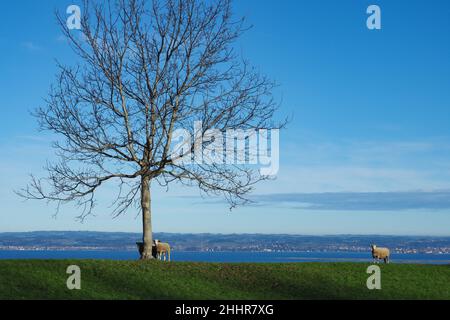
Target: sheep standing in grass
x=380, y=254
x=162, y=250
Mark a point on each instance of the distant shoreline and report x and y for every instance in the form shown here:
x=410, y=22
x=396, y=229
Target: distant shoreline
x=97, y=241
x=107, y=249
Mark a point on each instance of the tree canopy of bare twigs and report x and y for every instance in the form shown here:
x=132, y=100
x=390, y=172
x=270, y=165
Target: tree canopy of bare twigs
x=148, y=68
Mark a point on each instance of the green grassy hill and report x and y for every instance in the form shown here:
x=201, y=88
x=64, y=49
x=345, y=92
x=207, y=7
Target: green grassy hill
x=42, y=279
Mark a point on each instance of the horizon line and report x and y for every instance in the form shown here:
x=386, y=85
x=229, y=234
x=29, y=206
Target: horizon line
x=245, y=233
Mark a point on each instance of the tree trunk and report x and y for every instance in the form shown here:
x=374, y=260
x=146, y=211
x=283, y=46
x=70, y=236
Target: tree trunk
x=147, y=235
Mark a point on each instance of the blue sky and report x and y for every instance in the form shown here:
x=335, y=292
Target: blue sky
x=367, y=150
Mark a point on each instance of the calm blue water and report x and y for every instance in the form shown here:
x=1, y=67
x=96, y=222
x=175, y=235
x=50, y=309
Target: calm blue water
x=231, y=256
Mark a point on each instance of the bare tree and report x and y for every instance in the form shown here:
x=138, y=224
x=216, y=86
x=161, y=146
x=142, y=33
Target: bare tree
x=146, y=69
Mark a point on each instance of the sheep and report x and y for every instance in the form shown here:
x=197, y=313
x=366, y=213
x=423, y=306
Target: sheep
x=380, y=254
x=162, y=249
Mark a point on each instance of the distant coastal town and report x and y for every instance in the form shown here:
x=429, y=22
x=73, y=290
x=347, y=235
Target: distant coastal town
x=73, y=241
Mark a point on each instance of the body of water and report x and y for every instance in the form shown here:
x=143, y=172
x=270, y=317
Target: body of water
x=271, y=257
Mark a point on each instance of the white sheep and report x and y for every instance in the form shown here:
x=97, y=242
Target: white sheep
x=380, y=254
x=162, y=250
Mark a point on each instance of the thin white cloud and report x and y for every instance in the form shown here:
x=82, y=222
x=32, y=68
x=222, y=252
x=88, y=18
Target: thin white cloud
x=31, y=46
x=361, y=201
x=61, y=38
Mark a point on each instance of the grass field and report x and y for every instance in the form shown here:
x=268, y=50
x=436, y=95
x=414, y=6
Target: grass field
x=42, y=279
